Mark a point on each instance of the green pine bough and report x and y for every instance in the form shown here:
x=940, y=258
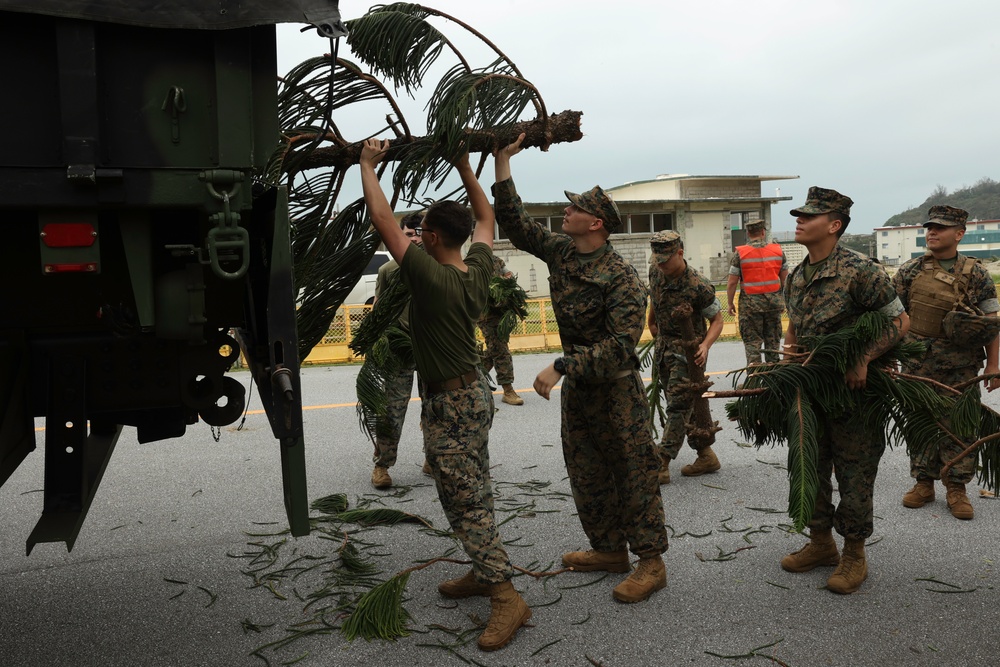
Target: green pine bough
x=894, y=408
x=509, y=299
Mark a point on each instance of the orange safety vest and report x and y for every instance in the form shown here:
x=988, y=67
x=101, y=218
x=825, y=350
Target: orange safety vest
x=760, y=268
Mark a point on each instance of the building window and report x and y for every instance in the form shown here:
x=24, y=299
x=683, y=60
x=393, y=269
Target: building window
x=920, y=232
x=638, y=223
x=885, y=233
x=885, y=246
x=980, y=227
x=663, y=222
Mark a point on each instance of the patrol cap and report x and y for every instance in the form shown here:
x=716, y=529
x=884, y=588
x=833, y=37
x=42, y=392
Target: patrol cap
x=821, y=200
x=665, y=245
x=947, y=216
x=755, y=225
x=597, y=203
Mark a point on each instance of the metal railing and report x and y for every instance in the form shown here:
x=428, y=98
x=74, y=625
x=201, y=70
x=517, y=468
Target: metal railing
x=538, y=331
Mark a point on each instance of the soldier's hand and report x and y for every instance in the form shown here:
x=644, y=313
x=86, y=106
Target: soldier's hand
x=992, y=383
x=701, y=356
x=548, y=378
x=512, y=149
x=857, y=377
x=732, y=309
x=373, y=151
x=653, y=329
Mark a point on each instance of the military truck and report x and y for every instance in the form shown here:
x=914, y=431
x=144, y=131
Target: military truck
x=140, y=253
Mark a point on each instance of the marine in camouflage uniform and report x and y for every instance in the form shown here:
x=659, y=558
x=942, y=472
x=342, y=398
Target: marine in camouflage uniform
x=759, y=310
x=497, y=353
x=599, y=302
x=684, y=285
x=828, y=291
x=967, y=285
x=399, y=388
x=448, y=293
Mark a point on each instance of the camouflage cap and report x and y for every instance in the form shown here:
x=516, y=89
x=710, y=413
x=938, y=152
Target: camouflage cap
x=755, y=225
x=597, y=203
x=821, y=200
x=947, y=216
x=665, y=245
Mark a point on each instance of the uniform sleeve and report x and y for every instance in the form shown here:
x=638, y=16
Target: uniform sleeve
x=874, y=290
x=734, y=264
x=708, y=303
x=625, y=304
x=522, y=231
x=983, y=290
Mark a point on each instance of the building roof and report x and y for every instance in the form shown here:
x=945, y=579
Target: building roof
x=703, y=177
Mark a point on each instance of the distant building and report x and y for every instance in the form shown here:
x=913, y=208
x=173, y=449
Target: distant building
x=710, y=212
x=895, y=245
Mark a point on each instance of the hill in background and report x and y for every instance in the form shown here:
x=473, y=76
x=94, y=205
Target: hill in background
x=981, y=200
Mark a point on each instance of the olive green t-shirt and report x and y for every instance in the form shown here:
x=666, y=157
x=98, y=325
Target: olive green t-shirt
x=385, y=273
x=444, y=306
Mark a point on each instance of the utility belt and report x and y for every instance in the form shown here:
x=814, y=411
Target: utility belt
x=460, y=382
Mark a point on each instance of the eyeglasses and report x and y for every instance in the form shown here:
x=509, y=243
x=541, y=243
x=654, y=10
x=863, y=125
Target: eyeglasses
x=412, y=233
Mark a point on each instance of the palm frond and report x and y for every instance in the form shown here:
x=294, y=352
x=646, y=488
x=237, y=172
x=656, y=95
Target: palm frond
x=391, y=354
x=379, y=613
x=396, y=41
x=508, y=298
x=393, y=299
x=803, y=457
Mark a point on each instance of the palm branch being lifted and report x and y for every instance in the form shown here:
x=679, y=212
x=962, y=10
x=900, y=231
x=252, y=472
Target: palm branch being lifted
x=471, y=108
x=779, y=402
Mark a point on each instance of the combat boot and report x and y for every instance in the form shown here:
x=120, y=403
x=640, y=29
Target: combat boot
x=853, y=568
x=510, y=396
x=707, y=462
x=426, y=468
x=590, y=561
x=958, y=502
x=921, y=494
x=650, y=575
x=465, y=586
x=664, y=474
x=820, y=550
x=380, y=478
x=508, y=612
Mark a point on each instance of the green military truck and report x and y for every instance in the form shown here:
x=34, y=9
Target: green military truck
x=140, y=252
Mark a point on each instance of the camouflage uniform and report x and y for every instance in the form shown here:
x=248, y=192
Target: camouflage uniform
x=497, y=353
x=759, y=315
x=398, y=388
x=669, y=356
x=947, y=362
x=599, y=303
x=843, y=287
x=456, y=422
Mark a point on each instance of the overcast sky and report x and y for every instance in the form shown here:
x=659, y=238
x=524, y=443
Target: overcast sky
x=882, y=100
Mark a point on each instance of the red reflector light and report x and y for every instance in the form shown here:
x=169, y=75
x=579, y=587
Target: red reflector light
x=69, y=235
x=89, y=267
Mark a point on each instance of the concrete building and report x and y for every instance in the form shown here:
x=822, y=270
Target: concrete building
x=895, y=245
x=709, y=212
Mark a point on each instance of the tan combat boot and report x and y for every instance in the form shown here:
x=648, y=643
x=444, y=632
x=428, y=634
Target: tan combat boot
x=958, y=502
x=426, y=468
x=820, y=550
x=650, y=575
x=664, y=474
x=510, y=396
x=508, y=612
x=380, y=478
x=853, y=568
x=590, y=560
x=465, y=586
x=707, y=462
x=921, y=493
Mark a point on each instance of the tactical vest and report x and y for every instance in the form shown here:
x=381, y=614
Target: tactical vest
x=934, y=293
x=760, y=268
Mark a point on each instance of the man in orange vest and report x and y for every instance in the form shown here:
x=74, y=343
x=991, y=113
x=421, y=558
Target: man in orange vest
x=760, y=269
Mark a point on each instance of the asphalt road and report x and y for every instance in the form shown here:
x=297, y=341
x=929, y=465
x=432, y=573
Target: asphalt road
x=157, y=575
